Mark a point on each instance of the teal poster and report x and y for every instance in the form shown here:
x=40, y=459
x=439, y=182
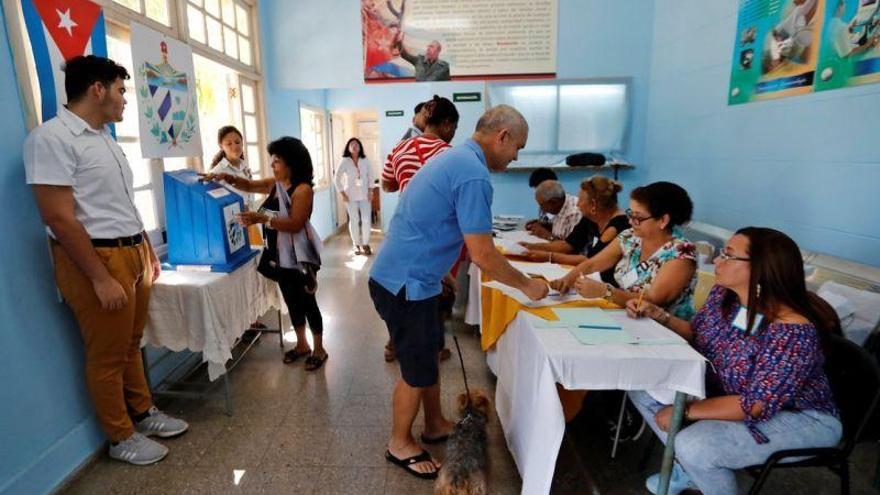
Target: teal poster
x=776, y=49
x=850, y=52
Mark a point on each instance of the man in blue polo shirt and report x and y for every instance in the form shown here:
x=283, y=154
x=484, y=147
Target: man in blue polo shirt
x=449, y=202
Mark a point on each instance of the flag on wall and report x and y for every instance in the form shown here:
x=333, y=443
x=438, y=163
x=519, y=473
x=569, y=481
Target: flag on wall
x=60, y=30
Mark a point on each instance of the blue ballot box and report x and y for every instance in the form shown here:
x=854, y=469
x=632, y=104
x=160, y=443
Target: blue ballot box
x=202, y=229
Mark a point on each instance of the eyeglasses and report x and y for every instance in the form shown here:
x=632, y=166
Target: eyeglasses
x=633, y=219
x=724, y=255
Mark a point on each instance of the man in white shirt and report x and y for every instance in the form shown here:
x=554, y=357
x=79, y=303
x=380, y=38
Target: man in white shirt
x=551, y=198
x=104, y=263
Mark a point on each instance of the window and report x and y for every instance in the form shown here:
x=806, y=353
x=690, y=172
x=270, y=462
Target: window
x=313, y=124
x=223, y=26
x=156, y=10
x=569, y=117
x=226, y=97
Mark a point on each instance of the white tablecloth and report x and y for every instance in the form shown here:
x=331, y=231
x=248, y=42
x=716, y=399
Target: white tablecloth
x=206, y=312
x=529, y=362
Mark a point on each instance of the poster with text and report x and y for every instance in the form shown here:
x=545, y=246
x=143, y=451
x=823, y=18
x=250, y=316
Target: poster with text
x=440, y=40
x=776, y=49
x=850, y=52
x=165, y=84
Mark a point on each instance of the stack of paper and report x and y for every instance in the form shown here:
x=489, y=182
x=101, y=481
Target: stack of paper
x=552, y=299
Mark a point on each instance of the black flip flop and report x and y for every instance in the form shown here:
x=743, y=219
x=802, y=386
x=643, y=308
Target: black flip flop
x=434, y=441
x=292, y=355
x=406, y=464
x=314, y=363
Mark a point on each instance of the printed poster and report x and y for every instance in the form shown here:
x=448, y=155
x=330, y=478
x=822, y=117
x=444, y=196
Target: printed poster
x=776, y=50
x=165, y=84
x=441, y=40
x=850, y=52
x=234, y=230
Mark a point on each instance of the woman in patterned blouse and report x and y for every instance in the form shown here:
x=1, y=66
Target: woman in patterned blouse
x=652, y=257
x=766, y=387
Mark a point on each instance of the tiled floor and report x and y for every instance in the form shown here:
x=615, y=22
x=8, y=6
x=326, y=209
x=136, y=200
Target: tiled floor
x=295, y=432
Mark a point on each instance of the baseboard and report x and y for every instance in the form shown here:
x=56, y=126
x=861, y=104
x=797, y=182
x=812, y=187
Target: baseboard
x=60, y=463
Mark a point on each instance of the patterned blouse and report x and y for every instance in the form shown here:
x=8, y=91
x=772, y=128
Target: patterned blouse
x=646, y=271
x=780, y=365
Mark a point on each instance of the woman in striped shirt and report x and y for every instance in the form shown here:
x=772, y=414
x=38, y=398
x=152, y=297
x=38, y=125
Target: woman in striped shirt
x=411, y=155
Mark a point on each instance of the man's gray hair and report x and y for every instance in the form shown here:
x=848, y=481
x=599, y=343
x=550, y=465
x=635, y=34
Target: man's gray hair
x=550, y=190
x=502, y=117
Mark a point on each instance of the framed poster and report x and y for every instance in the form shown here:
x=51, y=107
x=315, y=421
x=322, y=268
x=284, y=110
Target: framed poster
x=165, y=83
x=776, y=49
x=431, y=40
x=850, y=52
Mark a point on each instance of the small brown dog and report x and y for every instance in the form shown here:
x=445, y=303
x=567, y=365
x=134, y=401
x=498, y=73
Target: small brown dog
x=467, y=453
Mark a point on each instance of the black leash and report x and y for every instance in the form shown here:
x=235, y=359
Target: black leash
x=463, y=374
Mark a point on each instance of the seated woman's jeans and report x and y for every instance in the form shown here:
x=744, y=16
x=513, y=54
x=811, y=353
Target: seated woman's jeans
x=710, y=450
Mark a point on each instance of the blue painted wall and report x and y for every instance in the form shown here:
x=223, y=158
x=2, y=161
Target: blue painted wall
x=47, y=427
x=592, y=44
x=283, y=102
x=808, y=165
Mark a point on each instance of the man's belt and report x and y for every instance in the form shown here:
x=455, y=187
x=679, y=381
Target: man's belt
x=119, y=241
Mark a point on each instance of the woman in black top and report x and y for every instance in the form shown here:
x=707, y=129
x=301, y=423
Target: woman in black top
x=602, y=221
x=292, y=168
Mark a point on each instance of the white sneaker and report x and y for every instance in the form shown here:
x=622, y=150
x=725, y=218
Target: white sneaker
x=139, y=450
x=160, y=424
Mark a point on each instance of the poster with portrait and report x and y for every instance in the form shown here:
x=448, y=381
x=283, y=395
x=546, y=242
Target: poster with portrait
x=776, y=49
x=441, y=40
x=850, y=53
x=165, y=87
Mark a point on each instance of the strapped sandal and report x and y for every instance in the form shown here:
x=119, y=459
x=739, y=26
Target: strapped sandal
x=292, y=355
x=314, y=362
x=406, y=464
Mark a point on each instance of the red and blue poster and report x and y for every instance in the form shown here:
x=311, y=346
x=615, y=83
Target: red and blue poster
x=60, y=30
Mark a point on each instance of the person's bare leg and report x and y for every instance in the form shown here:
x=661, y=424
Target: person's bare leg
x=436, y=425
x=302, y=345
x=572, y=401
x=404, y=407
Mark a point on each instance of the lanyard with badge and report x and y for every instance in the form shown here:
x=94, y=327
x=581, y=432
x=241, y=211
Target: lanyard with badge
x=631, y=277
x=742, y=320
x=358, y=182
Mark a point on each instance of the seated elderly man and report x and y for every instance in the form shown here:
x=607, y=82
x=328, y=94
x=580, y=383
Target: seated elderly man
x=552, y=199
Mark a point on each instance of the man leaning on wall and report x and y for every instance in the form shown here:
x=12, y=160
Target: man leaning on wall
x=104, y=263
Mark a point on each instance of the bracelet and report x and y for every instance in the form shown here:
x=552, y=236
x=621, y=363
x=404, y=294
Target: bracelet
x=666, y=317
x=687, y=413
x=609, y=292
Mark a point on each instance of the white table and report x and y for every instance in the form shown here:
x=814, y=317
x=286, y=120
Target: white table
x=207, y=312
x=530, y=361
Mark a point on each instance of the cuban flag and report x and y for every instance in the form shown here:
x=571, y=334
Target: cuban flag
x=60, y=30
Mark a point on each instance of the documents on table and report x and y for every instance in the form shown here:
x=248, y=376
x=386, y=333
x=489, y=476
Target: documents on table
x=549, y=271
x=518, y=236
x=552, y=299
x=612, y=327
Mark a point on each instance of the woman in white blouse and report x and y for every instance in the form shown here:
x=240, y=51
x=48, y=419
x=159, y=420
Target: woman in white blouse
x=230, y=160
x=354, y=178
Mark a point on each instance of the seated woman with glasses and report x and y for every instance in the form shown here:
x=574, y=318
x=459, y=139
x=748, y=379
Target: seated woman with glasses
x=651, y=261
x=766, y=387
x=602, y=221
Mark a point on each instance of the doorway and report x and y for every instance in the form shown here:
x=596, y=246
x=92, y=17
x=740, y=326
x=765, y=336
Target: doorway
x=364, y=125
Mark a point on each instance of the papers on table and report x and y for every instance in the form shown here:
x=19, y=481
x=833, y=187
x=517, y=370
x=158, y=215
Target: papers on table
x=549, y=271
x=510, y=247
x=582, y=323
x=519, y=236
x=552, y=299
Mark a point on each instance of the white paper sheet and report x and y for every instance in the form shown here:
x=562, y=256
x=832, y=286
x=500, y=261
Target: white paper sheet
x=549, y=271
x=551, y=300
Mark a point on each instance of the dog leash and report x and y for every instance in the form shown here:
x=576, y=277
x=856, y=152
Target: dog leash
x=463, y=374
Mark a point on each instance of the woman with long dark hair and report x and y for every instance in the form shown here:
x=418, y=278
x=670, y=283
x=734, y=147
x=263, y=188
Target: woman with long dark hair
x=763, y=335
x=291, y=242
x=354, y=180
